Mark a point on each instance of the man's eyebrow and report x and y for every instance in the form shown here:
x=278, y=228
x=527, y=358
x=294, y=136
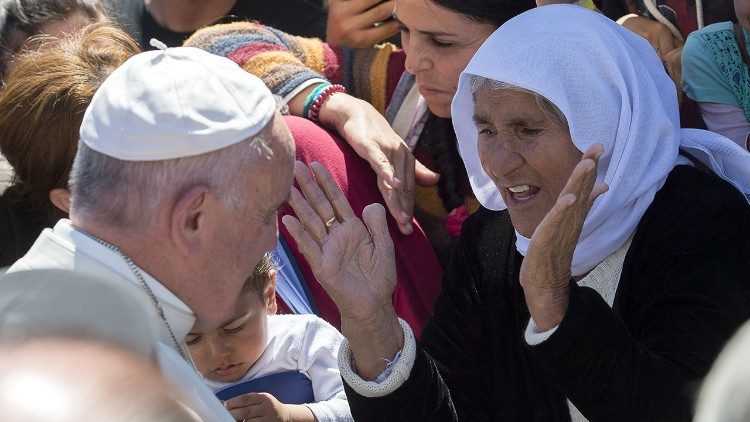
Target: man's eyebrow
x=431, y=33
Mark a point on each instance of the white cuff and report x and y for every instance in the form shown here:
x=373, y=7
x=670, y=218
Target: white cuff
x=386, y=383
x=301, y=87
x=534, y=337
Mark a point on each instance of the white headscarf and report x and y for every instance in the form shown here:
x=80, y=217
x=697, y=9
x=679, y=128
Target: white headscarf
x=612, y=88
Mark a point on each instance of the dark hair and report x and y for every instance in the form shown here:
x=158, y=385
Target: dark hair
x=41, y=112
x=487, y=11
x=438, y=139
x=259, y=279
x=21, y=19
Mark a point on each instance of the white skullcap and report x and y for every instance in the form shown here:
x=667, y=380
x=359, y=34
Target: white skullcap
x=172, y=103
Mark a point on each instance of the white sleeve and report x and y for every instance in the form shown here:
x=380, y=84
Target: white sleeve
x=318, y=361
x=534, y=337
x=726, y=120
x=394, y=375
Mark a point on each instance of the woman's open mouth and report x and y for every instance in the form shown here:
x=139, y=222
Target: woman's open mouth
x=521, y=194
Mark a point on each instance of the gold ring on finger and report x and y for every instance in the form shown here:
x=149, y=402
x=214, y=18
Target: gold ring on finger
x=330, y=222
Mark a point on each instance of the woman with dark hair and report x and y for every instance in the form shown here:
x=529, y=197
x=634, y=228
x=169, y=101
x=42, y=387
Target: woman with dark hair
x=22, y=19
x=413, y=88
x=40, y=115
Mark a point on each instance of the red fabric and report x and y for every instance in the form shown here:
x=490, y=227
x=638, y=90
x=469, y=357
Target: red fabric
x=248, y=51
x=418, y=270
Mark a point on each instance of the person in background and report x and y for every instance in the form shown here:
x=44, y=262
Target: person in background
x=716, y=74
x=40, y=119
x=666, y=24
x=75, y=347
x=22, y=19
x=69, y=380
x=595, y=268
x=282, y=367
x=173, y=21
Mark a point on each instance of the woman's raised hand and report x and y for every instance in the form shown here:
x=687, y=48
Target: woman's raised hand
x=353, y=261
x=546, y=270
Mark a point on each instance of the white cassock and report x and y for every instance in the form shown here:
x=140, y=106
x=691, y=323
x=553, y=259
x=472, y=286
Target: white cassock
x=65, y=248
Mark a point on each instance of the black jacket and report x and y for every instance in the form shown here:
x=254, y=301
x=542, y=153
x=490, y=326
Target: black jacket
x=683, y=291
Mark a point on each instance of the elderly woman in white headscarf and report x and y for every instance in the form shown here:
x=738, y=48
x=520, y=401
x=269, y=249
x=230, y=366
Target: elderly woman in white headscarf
x=606, y=269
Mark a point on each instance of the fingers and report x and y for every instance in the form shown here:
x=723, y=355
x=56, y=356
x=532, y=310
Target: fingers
x=249, y=399
x=393, y=202
x=583, y=179
x=313, y=204
x=374, y=217
x=407, y=192
x=308, y=218
x=305, y=242
x=246, y=406
x=424, y=176
x=382, y=166
x=332, y=192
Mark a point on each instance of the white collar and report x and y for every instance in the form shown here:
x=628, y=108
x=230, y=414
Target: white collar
x=180, y=317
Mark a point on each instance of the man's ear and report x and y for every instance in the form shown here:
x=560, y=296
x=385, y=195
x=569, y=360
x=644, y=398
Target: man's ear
x=269, y=295
x=190, y=217
x=60, y=197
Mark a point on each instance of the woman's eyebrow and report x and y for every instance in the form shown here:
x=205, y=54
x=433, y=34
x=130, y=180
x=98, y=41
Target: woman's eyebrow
x=432, y=33
x=481, y=120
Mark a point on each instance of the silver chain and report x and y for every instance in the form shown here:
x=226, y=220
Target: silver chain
x=137, y=273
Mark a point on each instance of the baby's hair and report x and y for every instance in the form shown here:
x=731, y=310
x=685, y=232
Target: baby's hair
x=260, y=278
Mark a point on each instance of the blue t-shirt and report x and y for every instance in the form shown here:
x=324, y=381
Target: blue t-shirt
x=713, y=70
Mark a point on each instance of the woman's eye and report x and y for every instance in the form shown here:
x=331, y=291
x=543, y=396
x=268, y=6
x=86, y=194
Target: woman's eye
x=192, y=341
x=486, y=133
x=234, y=330
x=527, y=132
x=440, y=44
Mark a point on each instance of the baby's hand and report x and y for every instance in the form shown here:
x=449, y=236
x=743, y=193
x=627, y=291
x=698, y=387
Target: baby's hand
x=264, y=407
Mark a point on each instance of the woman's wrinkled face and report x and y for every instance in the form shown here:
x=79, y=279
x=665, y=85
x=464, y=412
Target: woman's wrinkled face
x=438, y=44
x=527, y=155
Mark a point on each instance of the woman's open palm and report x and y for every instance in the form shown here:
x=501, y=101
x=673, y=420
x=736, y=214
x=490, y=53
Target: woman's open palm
x=354, y=261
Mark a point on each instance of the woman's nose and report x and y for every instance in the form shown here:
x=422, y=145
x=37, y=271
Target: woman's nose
x=417, y=60
x=501, y=161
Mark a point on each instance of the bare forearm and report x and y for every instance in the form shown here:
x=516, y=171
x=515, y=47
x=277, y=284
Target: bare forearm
x=374, y=343
x=547, y=307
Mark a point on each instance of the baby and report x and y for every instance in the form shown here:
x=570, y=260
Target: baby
x=280, y=367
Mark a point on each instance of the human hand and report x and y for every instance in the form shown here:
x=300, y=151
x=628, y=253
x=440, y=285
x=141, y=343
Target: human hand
x=352, y=23
x=373, y=139
x=546, y=270
x=353, y=261
x=264, y=407
x=654, y=32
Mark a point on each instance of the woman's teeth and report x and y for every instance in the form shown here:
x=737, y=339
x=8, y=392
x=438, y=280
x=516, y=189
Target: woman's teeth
x=519, y=188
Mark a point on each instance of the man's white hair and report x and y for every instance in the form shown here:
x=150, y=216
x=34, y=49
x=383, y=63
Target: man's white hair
x=129, y=194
